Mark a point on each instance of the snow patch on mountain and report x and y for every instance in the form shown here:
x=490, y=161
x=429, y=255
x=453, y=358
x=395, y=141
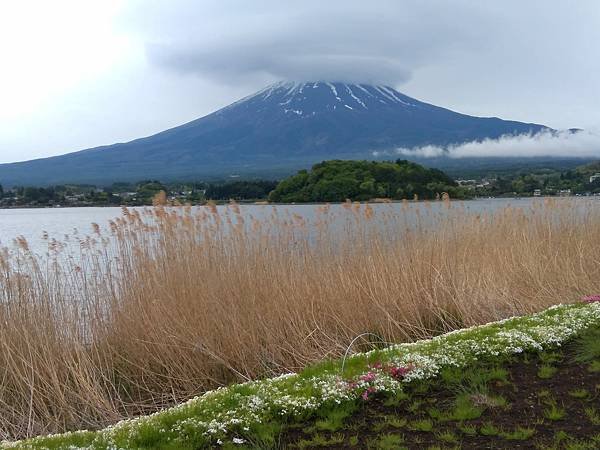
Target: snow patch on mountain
x=334, y=91
x=323, y=96
x=358, y=100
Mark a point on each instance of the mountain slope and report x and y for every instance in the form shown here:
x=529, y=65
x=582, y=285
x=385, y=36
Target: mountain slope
x=282, y=127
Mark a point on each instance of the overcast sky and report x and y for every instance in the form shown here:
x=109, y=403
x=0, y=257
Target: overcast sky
x=81, y=73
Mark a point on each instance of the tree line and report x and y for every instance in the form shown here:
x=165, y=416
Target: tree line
x=338, y=180
x=328, y=181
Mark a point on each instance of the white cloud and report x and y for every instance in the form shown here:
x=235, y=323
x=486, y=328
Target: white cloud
x=427, y=151
x=581, y=144
x=48, y=48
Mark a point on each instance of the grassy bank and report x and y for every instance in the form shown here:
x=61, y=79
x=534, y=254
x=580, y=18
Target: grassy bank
x=184, y=300
x=445, y=390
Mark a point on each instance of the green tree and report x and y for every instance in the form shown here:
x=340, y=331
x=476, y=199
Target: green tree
x=363, y=180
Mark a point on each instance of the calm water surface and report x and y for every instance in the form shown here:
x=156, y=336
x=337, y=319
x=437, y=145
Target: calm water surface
x=76, y=223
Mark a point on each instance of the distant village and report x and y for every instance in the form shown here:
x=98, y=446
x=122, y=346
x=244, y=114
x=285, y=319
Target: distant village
x=579, y=182
x=545, y=184
x=127, y=194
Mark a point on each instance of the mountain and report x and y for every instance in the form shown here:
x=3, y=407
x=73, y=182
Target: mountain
x=274, y=131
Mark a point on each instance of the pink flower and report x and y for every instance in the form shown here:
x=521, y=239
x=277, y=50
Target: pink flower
x=368, y=377
x=400, y=372
x=368, y=391
x=591, y=298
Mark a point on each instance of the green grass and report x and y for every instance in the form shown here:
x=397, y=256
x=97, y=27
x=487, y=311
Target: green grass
x=554, y=412
x=519, y=434
x=547, y=371
x=594, y=366
x=389, y=442
x=464, y=408
x=448, y=437
x=593, y=416
x=414, y=406
x=395, y=422
x=396, y=399
x=588, y=347
x=579, y=393
x=489, y=429
x=425, y=425
x=551, y=357
x=321, y=440
x=468, y=430
x=333, y=419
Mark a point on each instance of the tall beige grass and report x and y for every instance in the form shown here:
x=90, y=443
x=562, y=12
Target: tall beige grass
x=174, y=301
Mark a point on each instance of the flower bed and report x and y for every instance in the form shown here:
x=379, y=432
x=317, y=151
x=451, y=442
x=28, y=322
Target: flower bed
x=236, y=414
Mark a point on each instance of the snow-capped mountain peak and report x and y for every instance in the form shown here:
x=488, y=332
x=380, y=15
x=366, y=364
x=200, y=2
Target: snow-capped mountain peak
x=282, y=127
x=311, y=98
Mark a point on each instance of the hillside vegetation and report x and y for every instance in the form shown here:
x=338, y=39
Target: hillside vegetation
x=336, y=181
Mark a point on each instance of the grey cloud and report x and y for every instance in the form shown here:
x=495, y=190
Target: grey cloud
x=352, y=41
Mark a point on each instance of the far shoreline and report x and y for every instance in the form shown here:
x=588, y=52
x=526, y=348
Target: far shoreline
x=266, y=203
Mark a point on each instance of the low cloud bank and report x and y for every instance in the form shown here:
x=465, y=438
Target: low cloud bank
x=581, y=144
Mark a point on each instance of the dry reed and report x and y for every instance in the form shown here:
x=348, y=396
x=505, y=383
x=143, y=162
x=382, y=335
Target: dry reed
x=174, y=301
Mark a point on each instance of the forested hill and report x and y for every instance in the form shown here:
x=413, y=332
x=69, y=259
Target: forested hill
x=337, y=180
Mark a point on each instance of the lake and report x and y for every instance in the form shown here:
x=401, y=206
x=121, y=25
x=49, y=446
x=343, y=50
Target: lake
x=75, y=223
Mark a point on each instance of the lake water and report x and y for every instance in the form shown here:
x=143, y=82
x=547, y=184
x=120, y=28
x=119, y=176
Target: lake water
x=76, y=223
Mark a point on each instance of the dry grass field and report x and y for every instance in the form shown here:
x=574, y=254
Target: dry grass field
x=174, y=301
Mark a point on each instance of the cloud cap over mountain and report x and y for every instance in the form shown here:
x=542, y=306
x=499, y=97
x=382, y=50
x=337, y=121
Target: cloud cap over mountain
x=350, y=41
